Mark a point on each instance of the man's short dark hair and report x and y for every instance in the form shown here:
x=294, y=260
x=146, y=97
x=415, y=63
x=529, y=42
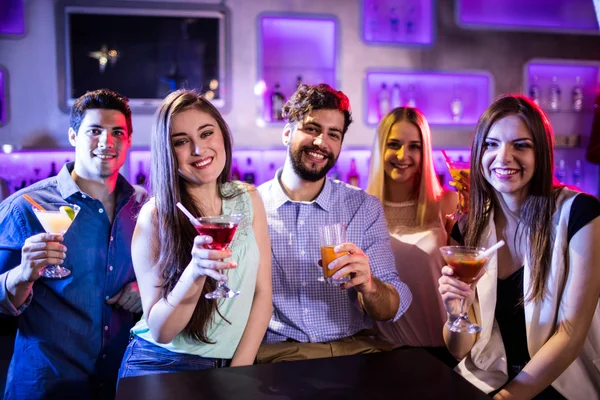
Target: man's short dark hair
x=320, y=97
x=103, y=99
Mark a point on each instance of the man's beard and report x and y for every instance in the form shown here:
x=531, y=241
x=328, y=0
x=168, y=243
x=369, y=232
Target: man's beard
x=305, y=173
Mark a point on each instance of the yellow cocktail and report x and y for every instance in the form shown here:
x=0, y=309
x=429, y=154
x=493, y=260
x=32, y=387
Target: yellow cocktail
x=56, y=218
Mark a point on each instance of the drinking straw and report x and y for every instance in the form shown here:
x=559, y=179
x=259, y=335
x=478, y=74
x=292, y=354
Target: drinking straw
x=188, y=214
x=34, y=203
x=448, y=159
x=488, y=252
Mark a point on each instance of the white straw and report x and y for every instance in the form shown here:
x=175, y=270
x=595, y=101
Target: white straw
x=188, y=214
x=488, y=252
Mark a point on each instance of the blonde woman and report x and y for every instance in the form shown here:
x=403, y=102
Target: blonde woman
x=402, y=176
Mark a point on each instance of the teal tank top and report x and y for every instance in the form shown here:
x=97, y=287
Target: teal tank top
x=236, y=310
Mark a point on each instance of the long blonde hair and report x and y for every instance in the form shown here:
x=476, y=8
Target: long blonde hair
x=427, y=187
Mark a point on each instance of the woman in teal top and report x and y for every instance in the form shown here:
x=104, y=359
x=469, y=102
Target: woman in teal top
x=181, y=329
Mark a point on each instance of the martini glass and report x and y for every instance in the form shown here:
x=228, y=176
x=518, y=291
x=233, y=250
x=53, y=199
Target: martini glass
x=466, y=262
x=221, y=229
x=56, y=218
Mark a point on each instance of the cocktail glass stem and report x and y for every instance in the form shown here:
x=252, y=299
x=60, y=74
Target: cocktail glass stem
x=462, y=324
x=222, y=292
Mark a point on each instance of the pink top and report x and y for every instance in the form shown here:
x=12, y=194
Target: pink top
x=419, y=264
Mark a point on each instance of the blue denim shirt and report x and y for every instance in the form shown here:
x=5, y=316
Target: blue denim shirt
x=69, y=342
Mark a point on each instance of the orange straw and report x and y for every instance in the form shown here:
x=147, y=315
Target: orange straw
x=34, y=203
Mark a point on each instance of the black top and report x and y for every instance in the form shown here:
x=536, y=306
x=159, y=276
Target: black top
x=510, y=311
x=584, y=209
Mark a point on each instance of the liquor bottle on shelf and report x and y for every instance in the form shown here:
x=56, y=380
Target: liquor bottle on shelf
x=353, y=177
x=396, y=96
x=272, y=171
x=277, y=101
x=577, y=175
x=561, y=171
x=410, y=20
x=554, y=97
x=53, y=171
x=394, y=21
x=383, y=100
x=36, y=176
x=298, y=81
x=140, y=177
x=456, y=106
x=235, y=171
x=249, y=175
x=411, y=101
x=535, y=92
x=374, y=21
x=577, y=96
x=334, y=173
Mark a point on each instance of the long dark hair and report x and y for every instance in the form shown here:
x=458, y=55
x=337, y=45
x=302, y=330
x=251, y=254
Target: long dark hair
x=540, y=204
x=175, y=235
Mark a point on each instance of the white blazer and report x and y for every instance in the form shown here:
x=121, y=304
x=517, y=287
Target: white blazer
x=486, y=366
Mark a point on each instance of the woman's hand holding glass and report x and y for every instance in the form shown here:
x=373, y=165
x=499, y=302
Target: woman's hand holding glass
x=461, y=181
x=207, y=262
x=454, y=290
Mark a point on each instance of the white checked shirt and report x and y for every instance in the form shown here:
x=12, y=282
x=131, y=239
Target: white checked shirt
x=306, y=309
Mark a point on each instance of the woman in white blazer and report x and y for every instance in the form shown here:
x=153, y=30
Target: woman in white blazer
x=537, y=301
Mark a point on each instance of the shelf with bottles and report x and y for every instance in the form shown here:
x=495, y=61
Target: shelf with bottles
x=22, y=168
x=293, y=49
x=3, y=96
x=556, y=16
x=445, y=97
x=252, y=166
x=572, y=168
x=562, y=86
x=402, y=22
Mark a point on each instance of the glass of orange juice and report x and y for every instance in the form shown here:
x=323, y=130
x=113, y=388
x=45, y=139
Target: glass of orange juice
x=329, y=237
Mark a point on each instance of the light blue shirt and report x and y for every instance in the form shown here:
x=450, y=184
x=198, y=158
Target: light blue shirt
x=306, y=309
x=226, y=333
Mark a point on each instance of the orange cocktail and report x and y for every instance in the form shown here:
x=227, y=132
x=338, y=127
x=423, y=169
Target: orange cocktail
x=459, y=170
x=466, y=268
x=327, y=256
x=329, y=237
x=466, y=263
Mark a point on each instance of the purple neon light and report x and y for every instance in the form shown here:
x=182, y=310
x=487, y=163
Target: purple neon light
x=2, y=98
x=293, y=47
x=433, y=94
x=12, y=17
x=569, y=15
x=398, y=21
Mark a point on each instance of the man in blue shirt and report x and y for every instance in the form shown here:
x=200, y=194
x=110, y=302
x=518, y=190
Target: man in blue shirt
x=72, y=332
x=312, y=319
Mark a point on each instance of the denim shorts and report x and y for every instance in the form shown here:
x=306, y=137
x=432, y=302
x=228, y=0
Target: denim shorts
x=144, y=358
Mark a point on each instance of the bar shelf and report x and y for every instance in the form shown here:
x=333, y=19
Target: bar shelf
x=399, y=22
x=450, y=98
x=293, y=48
x=556, y=16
